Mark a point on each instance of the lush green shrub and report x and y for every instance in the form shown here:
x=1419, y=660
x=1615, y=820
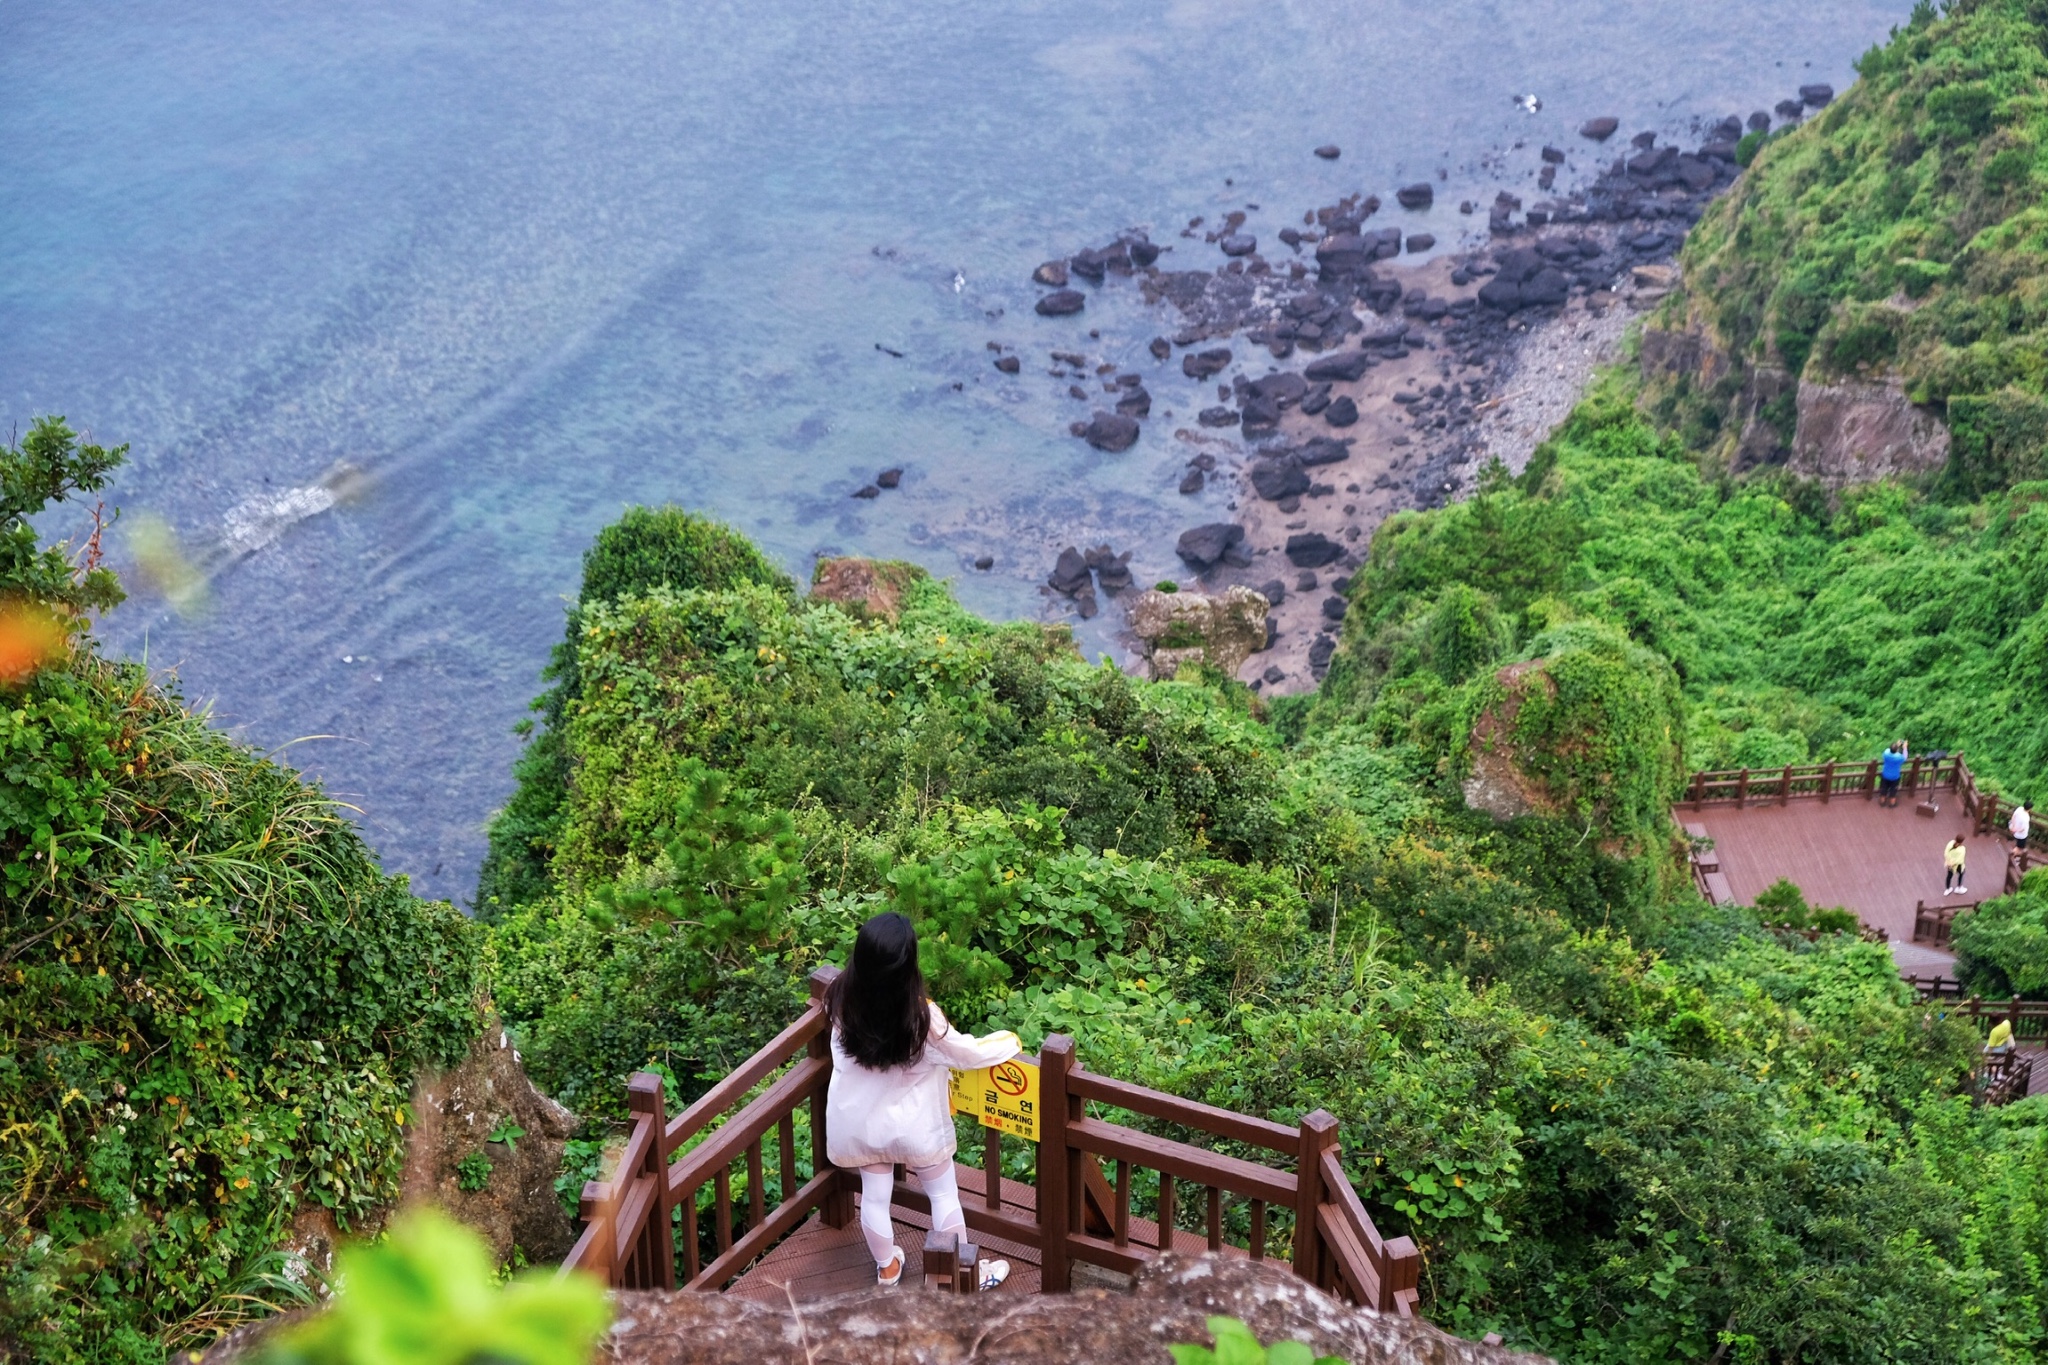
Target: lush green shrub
x=214, y=1005
x=427, y=1295
x=2002, y=945
x=1925, y=179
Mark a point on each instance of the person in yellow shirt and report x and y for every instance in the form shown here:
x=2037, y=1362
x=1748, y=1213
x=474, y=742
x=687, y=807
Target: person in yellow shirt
x=2001, y=1038
x=1952, y=859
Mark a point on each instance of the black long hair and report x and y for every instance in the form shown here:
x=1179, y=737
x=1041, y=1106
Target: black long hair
x=878, y=1003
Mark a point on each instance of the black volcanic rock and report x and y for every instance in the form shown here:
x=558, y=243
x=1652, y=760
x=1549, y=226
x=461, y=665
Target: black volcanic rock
x=1342, y=412
x=1052, y=273
x=1009, y=364
x=1061, y=302
x=1329, y=151
x=1281, y=478
x=1334, y=608
x=1599, y=129
x=1343, y=367
x=1419, y=195
x=1161, y=348
x=1135, y=403
x=1205, y=546
x=1553, y=155
x=1143, y=253
x=1817, y=95
x=1239, y=244
x=1070, y=574
x=1344, y=253
x=1193, y=482
x=1312, y=550
x=867, y=491
x=1203, y=364
x=1217, y=417
x=889, y=478
x=1111, y=431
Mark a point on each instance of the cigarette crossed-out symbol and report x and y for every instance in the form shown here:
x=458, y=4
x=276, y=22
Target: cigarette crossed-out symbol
x=1009, y=1078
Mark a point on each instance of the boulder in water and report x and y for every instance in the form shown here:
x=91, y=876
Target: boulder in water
x=1599, y=129
x=1061, y=302
x=1111, y=431
x=1204, y=547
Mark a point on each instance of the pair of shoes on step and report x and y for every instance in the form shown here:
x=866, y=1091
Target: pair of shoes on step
x=988, y=1274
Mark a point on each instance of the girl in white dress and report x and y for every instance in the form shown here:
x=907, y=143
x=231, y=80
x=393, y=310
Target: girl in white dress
x=891, y=1050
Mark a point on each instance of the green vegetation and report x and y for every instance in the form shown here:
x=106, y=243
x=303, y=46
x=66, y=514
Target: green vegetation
x=1235, y=1345
x=1797, y=629
x=428, y=1295
x=2002, y=946
x=1902, y=229
x=1621, y=1124
x=213, y=1001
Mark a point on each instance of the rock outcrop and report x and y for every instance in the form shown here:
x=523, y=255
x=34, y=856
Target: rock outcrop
x=865, y=588
x=1855, y=431
x=1190, y=627
x=455, y=1113
x=1171, y=1301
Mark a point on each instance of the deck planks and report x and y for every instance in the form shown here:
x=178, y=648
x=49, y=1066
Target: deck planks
x=1850, y=852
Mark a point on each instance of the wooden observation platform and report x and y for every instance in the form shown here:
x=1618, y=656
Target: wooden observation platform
x=1819, y=826
x=709, y=1201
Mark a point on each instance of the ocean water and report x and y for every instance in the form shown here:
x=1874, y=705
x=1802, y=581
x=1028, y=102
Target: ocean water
x=397, y=304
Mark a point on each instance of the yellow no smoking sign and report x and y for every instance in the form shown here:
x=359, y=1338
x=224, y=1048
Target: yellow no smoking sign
x=1003, y=1097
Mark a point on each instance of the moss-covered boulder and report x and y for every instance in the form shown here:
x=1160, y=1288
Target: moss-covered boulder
x=1586, y=727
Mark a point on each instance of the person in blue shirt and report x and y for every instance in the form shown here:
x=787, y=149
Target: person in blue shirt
x=1893, y=764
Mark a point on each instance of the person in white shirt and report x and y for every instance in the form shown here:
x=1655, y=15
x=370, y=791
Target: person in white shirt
x=2020, y=826
x=888, y=1102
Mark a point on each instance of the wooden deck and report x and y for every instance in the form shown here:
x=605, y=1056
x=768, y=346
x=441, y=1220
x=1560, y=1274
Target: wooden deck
x=817, y=1262
x=1850, y=852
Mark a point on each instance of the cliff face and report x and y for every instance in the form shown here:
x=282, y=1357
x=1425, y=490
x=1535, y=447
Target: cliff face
x=1864, y=277
x=1858, y=431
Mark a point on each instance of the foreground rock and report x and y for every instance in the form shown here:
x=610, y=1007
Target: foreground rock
x=1171, y=1301
x=1191, y=627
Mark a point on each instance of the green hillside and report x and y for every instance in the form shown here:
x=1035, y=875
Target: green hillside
x=213, y=1003
x=1903, y=229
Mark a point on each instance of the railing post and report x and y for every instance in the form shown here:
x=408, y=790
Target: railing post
x=598, y=1209
x=1870, y=780
x=837, y=1209
x=1699, y=789
x=1827, y=783
x=1785, y=787
x=1318, y=1134
x=644, y=1097
x=1741, y=788
x=1913, y=774
x=1055, y=1163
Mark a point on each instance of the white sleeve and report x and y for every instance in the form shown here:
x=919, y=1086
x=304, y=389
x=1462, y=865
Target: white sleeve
x=963, y=1051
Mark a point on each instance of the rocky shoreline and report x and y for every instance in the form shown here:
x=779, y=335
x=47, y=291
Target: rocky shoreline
x=1349, y=385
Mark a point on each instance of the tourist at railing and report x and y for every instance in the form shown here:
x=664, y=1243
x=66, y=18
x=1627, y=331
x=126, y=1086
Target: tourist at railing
x=2000, y=1041
x=2020, y=826
x=891, y=1051
x=1894, y=764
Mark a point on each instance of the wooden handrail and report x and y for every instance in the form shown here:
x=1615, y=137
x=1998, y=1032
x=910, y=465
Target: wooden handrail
x=627, y=1239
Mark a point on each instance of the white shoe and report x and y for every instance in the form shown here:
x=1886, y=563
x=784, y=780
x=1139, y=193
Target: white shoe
x=890, y=1275
x=1962, y=891
x=989, y=1274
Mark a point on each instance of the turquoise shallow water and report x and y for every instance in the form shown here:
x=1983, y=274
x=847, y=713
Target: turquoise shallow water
x=522, y=264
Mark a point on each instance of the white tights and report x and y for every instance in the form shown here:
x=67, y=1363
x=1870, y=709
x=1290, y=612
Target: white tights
x=878, y=1184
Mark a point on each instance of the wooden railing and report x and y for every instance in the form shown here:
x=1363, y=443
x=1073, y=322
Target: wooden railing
x=1825, y=781
x=2000, y=1077
x=1080, y=1216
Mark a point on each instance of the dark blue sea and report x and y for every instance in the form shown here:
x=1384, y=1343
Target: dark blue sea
x=397, y=304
